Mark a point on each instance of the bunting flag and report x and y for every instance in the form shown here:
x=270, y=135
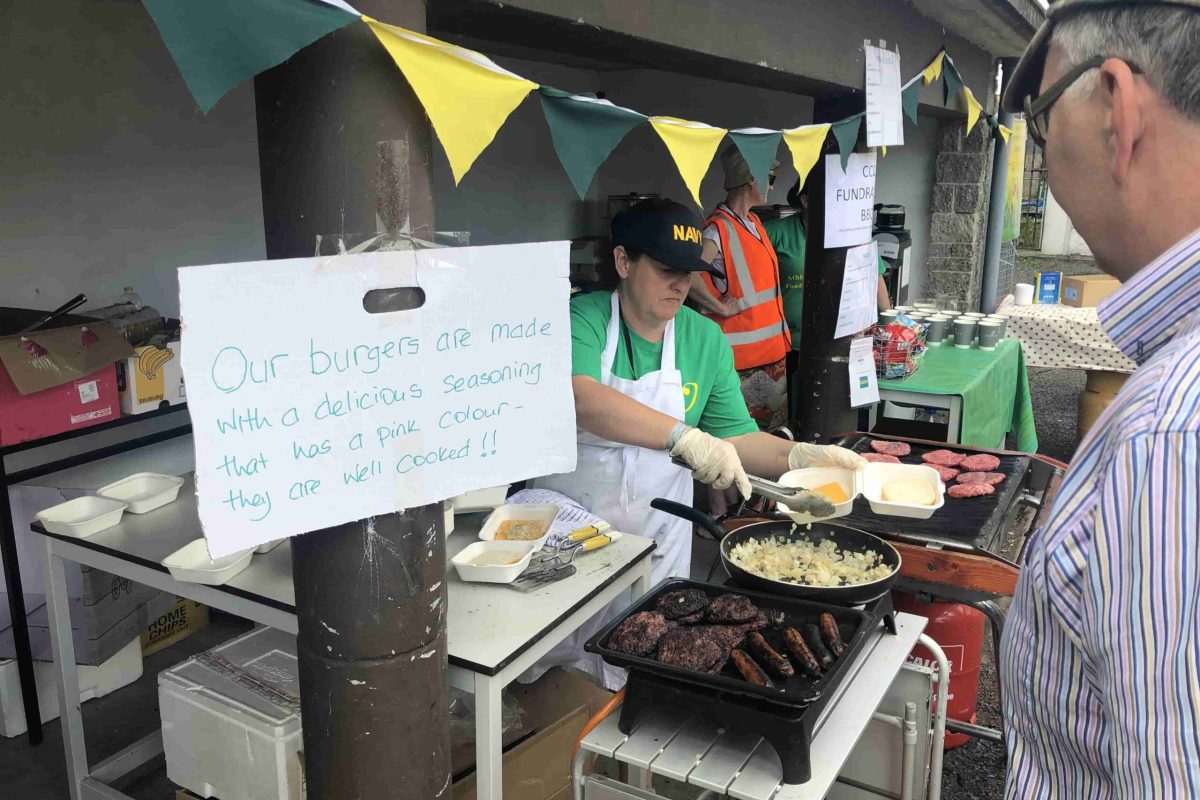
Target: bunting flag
x=758, y=146
x=846, y=133
x=585, y=130
x=934, y=71
x=952, y=80
x=466, y=95
x=805, y=145
x=1005, y=132
x=218, y=44
x=882, y=147
x=692, y=145
x=973, y=108
x=909, y=97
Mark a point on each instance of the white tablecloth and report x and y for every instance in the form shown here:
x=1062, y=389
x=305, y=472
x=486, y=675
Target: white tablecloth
x=1064, y=337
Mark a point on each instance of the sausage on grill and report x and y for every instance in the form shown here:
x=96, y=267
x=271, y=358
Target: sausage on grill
x=751, y=671
x=800, y=651
x=831, y=635
x=812, y=635
x=776, y=663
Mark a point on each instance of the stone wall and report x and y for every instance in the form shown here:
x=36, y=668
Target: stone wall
x=959, y=212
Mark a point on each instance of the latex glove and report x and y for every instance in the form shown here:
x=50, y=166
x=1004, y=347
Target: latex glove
x=804, y=455
x=714, y=461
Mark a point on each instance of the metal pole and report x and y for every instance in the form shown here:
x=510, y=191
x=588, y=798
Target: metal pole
x=343, y=144
x=823, y=378
x=16, y=608
x=995, y=224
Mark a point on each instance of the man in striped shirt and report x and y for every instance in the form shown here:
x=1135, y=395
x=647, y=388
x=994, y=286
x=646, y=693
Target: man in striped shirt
x=1100, y=661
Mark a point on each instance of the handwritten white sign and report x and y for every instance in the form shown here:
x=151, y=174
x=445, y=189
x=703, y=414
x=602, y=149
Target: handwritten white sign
x=859, y=303
x=885, y=113
x=309, y=411
x=849, y=199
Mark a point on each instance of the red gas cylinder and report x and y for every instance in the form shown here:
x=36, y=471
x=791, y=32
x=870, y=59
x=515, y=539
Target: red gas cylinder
x=958, y=630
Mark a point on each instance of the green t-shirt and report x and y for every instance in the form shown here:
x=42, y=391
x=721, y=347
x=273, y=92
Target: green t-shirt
x=788, y=237
x=712, y=394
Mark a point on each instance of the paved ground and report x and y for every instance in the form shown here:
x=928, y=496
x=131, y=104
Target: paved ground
x=973, y=772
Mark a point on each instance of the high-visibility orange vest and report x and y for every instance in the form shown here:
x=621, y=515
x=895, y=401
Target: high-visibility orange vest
x=758, y=333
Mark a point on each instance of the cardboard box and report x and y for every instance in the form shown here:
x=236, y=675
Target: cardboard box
x=1098, y=393
x=94, y=644
x=555, y=707
x=151, y=379
x=1085, y=291
x=56, y=380
x=181, y=621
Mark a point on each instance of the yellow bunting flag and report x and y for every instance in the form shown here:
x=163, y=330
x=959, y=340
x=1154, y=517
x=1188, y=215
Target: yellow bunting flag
x=973, y=108
x=692, y=145
x=805, y=145
x=1005, y=132
x=884, y=149
x=934, y=70
x=466, y=95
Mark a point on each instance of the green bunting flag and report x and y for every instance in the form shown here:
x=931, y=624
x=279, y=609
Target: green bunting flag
x=218, y=44
x=585, y=131
x=846, y=133
x=909, y=97
x=952, y=79
x=758, y=146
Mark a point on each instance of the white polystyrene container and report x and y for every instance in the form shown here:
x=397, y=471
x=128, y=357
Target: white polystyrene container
x=221, y=739
x=874, y=476
x=192, y=563
x=82, y=516
x=819, y=476
x=542, y=512
x=480, y=499
x=497, y=573
x=143, y=491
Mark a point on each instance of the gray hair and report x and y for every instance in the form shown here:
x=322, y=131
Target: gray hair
x=1163, y=41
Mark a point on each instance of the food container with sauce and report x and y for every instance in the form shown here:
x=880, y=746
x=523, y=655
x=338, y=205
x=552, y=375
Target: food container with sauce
x=493, y=562
x=820, y=479
x=517, y=521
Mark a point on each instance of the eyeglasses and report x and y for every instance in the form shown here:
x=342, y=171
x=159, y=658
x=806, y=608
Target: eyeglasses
x=1037, y=111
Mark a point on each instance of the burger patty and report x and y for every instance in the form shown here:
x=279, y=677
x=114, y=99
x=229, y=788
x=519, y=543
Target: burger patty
x=885, y=448
x=947, y=474
x=682, y=603
x=638, y=634
x=691, y=619
x=693, y=648
x=963, y=490
x=879, y=458
x=993, y=478
x=981, y=463
x=732, y=608
x=943, y=458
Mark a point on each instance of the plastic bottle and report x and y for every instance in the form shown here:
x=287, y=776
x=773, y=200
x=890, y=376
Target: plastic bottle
x=131, y=297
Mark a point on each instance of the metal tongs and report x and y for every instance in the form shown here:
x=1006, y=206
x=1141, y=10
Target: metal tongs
x=797, y=501
x=553, y=563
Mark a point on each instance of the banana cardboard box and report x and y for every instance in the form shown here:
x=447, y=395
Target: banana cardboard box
x=153, y=378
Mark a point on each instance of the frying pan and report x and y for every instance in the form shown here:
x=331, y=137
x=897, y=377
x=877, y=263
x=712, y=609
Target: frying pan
x=846, y=539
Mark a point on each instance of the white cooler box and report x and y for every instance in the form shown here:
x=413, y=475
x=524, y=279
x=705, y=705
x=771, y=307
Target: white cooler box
x=227, y=726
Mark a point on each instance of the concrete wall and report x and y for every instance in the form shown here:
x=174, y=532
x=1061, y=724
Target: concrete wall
x=905, y=176
x=111, y=176
x=1059, y=237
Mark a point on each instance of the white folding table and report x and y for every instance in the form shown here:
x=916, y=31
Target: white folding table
x=494, y=632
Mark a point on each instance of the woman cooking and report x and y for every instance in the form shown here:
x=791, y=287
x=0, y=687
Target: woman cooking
x=655, y=380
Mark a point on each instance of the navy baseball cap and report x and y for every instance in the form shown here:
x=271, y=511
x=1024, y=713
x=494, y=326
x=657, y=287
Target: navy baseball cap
x=664, y=230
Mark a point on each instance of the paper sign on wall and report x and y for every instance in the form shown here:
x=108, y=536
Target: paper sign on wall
x=309, y=411
x=864, y=385
x=849, y=199
x=885, y=113
x=859, y=304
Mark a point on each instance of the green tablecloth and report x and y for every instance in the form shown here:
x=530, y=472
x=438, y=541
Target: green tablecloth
x=994, y=387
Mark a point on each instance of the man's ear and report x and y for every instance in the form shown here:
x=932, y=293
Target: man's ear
x=1124, y=115
x=621, y=261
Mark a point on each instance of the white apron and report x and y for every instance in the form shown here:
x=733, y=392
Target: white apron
x=616, y=482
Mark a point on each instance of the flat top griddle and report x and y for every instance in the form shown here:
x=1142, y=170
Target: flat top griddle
x=975, y=522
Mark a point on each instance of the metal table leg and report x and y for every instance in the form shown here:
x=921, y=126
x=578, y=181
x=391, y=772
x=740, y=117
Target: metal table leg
x=68, y=678
x=489, y=758
x=16, y=605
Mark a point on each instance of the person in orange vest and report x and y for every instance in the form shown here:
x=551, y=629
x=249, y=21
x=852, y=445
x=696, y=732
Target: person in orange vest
x=743, y=294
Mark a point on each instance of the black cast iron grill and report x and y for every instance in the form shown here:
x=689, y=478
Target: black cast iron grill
x=784, y=715
x=976, y=522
